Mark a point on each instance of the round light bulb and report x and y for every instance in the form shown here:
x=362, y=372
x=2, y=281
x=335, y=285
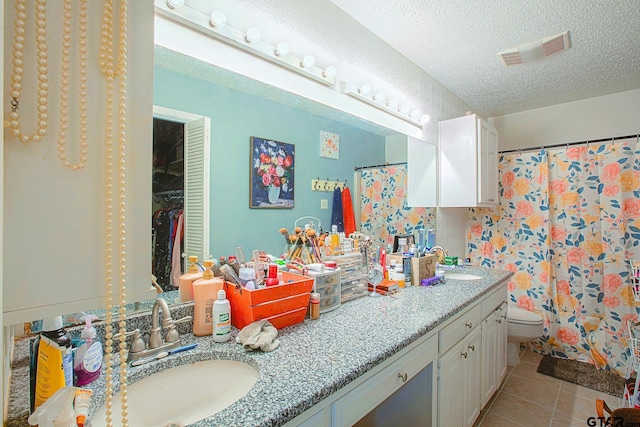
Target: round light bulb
x=405, y=109
x=175, y=4
x=393, y=104
x=380, y=96
x=253, y=35
x=424, y=119
x=282, y=49
x=308, y=61
x=218, y=19
x=365, y=89
x=415, y=114
x=330, y=72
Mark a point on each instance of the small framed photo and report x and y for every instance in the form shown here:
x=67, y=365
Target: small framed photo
x=271, y=180
x=329, y=145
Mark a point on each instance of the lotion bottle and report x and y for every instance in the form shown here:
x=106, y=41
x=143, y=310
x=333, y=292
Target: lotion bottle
x=187, y=279
x=205, y=291
x=88, y=357
x=221, y=318
x=53, y=364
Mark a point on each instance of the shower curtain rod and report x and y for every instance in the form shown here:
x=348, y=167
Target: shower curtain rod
x=567, y=144
x=357, y=168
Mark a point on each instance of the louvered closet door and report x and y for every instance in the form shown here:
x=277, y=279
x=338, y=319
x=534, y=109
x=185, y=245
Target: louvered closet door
x=196, y=187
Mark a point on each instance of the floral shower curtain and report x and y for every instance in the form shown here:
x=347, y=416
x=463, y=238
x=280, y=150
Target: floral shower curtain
x=383, y=210
x=567, y=222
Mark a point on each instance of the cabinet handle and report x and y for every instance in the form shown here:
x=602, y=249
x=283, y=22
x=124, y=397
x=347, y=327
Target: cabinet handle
x=403, y=377
x=469, y=325
x=464, y=354
x=472, y=347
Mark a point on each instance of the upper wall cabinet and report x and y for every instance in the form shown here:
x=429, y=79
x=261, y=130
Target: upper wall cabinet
x=468, y=163
x=422, y=174
x=54, y=259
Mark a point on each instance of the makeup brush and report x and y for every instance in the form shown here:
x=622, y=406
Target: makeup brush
x=285, y=233
x=229, y=274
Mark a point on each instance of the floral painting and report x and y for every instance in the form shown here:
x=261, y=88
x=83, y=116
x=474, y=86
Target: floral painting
x=329, y=145
x=271, y=174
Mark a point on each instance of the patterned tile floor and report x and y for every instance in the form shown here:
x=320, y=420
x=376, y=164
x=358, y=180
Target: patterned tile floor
x=529, y=399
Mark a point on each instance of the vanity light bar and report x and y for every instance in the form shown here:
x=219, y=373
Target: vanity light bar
x=202, y=23
x=381, y=106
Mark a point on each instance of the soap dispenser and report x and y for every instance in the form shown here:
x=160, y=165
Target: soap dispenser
x=88, y=357
x=205, y=292
x=187, y=279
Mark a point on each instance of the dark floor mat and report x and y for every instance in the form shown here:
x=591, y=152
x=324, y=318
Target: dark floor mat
x=584, y=374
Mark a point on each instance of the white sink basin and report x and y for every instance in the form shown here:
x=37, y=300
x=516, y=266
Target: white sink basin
x=183, y=395
x=461, y=276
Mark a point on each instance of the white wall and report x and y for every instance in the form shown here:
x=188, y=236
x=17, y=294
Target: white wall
x=594, y=118
x=4, y=347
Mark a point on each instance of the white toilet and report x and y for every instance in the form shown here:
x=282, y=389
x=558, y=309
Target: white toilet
x=522, y=326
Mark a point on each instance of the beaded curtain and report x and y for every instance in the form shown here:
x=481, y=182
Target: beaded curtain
x=567, y=222
x=383, y=212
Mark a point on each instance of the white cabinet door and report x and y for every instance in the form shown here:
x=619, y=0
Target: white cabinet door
x=422, y=176
x=468, y=153
x=487, y=163
x=501, y=340
x=472, y=371
x=490, y=356
x=54, y=218
x=451, y=387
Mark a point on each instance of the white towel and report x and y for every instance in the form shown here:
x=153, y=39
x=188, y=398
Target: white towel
x=259, y=335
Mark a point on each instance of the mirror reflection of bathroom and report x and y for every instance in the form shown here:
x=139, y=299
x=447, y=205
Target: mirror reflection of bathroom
x=237, y=103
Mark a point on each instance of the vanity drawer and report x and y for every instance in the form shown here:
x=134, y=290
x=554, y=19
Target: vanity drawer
x=351, y=407
x=459, y=327
x=493, y=301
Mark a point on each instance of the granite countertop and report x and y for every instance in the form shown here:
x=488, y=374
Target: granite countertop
x=315, y=358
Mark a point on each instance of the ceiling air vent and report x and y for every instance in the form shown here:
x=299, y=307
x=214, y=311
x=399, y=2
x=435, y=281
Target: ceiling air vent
x=536, y=51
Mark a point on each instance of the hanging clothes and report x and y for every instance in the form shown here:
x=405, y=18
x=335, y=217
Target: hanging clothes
x=336, y=212
x=349, y=219
x=166, y=230
x=161, y=229
x=176, y=255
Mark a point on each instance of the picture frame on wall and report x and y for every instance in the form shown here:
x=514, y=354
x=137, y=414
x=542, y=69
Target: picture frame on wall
x=329, y=145
x=271, y=174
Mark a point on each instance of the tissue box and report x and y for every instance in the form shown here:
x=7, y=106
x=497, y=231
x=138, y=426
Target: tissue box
x=421, y=267
x=282, y=305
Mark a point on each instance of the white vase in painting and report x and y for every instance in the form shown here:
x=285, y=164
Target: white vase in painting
x=273, y=194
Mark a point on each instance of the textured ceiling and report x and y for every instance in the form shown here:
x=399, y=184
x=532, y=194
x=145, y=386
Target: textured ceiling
x=441, y=55
x=457, y=41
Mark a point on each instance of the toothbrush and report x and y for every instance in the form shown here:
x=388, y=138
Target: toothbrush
x=163, y=354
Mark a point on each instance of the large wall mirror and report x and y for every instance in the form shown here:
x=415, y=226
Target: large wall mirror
x=224, y=111
x=240, y=108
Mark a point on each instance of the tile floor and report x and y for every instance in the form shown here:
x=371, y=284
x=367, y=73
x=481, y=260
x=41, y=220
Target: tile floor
x=529, y=399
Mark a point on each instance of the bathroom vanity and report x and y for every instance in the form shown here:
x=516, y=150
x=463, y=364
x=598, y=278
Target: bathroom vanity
x=398, y=357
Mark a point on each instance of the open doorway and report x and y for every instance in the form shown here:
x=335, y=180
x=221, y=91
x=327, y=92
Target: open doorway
x=180, y=220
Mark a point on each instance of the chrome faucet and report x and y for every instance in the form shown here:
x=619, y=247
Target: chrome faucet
x=138, y=350
x=435, y=248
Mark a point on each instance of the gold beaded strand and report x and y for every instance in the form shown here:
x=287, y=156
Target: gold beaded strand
x=111, y=71
x=64, y=84
x=18, y=71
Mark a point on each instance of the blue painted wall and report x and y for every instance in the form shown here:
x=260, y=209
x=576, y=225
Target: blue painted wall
x=235, y=117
